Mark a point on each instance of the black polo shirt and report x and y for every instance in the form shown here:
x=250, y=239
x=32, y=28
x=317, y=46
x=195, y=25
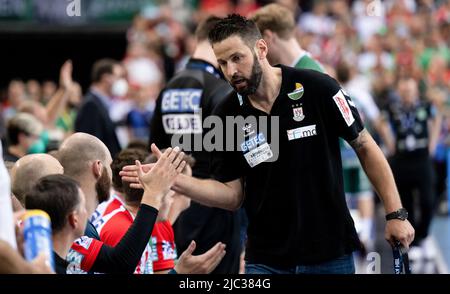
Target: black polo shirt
x=181, y=107
x=295, y=204
x=410, y=127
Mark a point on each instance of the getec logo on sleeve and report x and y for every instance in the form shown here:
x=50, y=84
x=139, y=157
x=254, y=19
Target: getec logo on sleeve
x=183, y=106
x=344, y=108
x=256, y=150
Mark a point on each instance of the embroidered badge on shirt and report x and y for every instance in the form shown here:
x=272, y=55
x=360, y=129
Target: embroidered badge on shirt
x=298, y=113
x=297, y=93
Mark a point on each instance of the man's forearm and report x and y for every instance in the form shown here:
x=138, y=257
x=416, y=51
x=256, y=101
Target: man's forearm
x=377, y=169
x=210, y=192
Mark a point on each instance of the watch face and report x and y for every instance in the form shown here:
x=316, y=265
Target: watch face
x=403, y=214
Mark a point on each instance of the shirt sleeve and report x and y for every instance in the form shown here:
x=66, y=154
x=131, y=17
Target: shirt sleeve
x=87, y=250
x=226, y=165
x=342, y=114
x=164, y=241
x=125, y=255
x=157, y=132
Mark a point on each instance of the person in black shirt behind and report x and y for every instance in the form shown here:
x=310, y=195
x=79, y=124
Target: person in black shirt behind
x=416, y=129
x=294, y=196
x=201, y=83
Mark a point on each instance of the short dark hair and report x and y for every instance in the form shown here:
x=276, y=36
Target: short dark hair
x=138, y=144
x=127, y=157
x=204, y=27
x=235, y=24
x=102, y=67
x=57, y=195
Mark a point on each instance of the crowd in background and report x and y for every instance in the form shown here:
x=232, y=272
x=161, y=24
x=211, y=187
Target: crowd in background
x=391, y=50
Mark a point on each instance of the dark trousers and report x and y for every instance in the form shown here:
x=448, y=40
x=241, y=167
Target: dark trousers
x=416, y=177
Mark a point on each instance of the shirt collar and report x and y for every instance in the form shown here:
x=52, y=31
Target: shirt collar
x=194, y=63
x=107, y=102
x=298, y=58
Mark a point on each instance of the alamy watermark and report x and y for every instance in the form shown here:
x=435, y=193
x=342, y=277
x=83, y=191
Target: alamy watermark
x=373, y=263
x=375, y=8
x=73, y=8
x=255, y=136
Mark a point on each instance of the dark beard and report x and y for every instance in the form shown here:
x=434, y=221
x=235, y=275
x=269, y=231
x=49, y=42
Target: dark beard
x=103, y=186
x=253, y=81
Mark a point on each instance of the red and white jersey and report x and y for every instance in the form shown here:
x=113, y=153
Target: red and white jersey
x=163, y=246
x=82, y=255
x=113, y=225
x=105, y=208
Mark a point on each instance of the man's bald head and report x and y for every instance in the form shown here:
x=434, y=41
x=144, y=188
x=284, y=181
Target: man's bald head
x=79, y=151
x=29, y=169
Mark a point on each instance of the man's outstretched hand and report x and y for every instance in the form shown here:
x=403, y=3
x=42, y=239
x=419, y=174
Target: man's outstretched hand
x=200, y=264
x=129, y=173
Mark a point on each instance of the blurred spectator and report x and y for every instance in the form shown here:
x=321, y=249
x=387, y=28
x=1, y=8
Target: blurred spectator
x=416, y=129
x=375, y=58
x=94, y=117
x=440, y=99
x=246, y=7
x=15, y=95
x=66, y=120
x=145, y=82
x=369, y=18
x=34, y=91
x=317, y=22
x=435, y=45
x=48, y=90
x=23, y=134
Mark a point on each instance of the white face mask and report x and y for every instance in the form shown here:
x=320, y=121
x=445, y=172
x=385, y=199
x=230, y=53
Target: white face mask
x=119, y=88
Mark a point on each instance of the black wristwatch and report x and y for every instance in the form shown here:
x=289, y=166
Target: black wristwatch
x=400, y=214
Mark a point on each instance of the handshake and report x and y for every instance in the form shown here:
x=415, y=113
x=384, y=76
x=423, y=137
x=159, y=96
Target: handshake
x=157, y=179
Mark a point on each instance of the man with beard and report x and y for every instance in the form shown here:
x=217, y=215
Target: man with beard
x=294, y=197
x=87, y=160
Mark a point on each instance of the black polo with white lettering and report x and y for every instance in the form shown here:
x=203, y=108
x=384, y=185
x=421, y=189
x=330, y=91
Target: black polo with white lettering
x=294, y=194
x=187, y=99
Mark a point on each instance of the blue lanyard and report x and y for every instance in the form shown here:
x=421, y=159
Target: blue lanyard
x=401, y=260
